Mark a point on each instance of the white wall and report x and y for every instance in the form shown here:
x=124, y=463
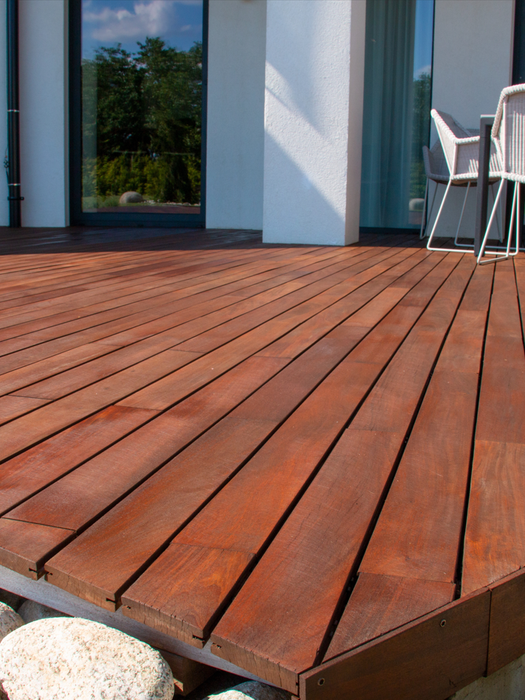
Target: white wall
x=235, y=134
x=313, y=121
x=43, y=112
x=472, y=56
x=472, y=64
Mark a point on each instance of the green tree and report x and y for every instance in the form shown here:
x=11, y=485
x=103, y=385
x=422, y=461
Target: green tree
x=420, y=133
x=148, y=121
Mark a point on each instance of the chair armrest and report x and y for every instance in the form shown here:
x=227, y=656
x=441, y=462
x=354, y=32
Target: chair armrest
x=467, y=160
x=466, y=156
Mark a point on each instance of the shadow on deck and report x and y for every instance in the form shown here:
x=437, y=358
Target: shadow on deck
x=306, y=460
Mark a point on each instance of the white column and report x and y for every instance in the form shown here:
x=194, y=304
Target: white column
x=235, y=132
x=44, y=113
x=313, y=121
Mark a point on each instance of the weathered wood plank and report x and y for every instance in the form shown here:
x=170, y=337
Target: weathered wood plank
x=133, y=314
x=164, y=393
x=23, y=542
x=329, y=526
x=208, y=404
x=495, y=530
x=12, y=407
x=380, y=604
x=43, y=592
x=44, y=422
x=186, y=482
x=35, y=468
x=269, y=483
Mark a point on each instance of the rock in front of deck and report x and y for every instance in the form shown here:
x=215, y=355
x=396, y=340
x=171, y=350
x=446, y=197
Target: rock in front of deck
x=251, y=690
x=72, y=658
x=30, y=611
x=9, y=620
x=131, y=198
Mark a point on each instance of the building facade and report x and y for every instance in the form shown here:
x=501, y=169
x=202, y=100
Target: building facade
x=286, y=91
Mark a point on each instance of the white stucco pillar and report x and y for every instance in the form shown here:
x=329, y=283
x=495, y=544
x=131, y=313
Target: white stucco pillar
x=235, y=131
x=44, y=113
x=313, y=121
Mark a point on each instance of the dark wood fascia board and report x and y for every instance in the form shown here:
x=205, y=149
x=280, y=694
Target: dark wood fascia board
x=432, y=657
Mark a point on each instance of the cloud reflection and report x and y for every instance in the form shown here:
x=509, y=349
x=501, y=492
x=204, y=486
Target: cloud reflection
x=124, y=21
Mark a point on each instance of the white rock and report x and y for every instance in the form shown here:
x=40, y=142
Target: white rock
x=251, y=690
x=130, y=198
x=74, y=659
x=30, y=611
x=9, y=620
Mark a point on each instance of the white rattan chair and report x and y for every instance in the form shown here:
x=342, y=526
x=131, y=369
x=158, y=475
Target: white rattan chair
x=461, y=150
x=508, y=134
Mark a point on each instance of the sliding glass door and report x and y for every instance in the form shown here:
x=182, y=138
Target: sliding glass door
x=137, y=115
x=396, y=124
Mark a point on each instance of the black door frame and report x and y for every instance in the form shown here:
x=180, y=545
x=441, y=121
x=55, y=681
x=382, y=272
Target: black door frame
x=126, y=219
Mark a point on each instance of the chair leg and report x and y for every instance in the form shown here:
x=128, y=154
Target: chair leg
x=515, y=208
x=429, y=242
x=501, y=231
x=462, y=245
x=489, y=226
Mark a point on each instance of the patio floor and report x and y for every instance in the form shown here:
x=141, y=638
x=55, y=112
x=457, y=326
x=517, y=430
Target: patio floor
x=313, y=456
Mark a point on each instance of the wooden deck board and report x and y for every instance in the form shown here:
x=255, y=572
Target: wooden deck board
x=300, y=585
x=271, y=446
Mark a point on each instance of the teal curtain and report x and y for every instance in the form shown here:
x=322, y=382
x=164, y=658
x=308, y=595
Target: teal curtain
x=388, y=113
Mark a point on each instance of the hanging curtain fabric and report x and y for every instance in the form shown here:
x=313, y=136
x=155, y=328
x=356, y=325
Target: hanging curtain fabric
x=388, y=113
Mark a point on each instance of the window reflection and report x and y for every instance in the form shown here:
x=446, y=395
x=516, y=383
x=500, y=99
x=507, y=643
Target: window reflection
x=141, y=106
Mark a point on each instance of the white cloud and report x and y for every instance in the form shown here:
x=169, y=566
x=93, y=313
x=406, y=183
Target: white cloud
x=421, y=71
x=148, y=18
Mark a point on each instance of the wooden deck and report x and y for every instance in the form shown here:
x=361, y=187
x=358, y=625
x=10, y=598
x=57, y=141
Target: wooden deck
x=314, y=457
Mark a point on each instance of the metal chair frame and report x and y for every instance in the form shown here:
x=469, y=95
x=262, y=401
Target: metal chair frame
x=508, y=135
x=461, y=150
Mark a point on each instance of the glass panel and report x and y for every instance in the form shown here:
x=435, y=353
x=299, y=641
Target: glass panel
x=141, y=106
x=396, y=111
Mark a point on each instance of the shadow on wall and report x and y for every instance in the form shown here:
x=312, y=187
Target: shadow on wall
x=307, y=124
x=306, y=214
x=306, y=30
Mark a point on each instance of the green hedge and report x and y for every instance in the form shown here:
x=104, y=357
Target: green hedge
x=162, y=179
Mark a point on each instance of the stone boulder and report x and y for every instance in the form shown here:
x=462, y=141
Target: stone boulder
x=9, y=620
x=251, y=690
x=68, y=657
x=30, y=611
x=130, y=198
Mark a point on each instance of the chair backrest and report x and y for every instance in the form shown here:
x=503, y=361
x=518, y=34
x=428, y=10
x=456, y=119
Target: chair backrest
x=449, y=130
x=508, y=131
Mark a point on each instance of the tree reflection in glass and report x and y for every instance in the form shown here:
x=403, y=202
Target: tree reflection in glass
x=141, y=105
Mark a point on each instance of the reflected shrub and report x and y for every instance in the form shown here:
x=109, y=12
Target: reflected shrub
x=161, y=179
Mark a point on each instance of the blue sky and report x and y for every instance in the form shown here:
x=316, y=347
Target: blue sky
x=423, y=39
x=108, y=22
